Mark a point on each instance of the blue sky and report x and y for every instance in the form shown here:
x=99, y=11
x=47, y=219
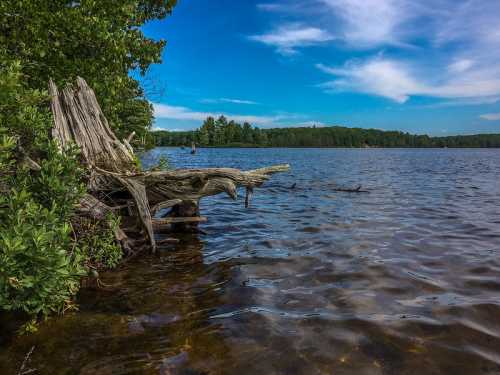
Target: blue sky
x=428, y=66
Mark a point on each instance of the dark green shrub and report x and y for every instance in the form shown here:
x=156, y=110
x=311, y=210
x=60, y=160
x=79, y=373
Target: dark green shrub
x=37, y=274
x=97, y=244
x=41, y=258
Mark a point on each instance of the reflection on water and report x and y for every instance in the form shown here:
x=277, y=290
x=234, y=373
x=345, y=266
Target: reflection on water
x=403, y=280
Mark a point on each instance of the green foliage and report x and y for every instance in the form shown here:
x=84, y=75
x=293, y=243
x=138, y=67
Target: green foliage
x=41, y=257
x=41, y=260
x=97, y=244
x=7, y=163
x=21, y=115
x=162, y=164
x=100, y=41
x=31, y=326
x=230, y=134
x=37, y=275
x=59, y=183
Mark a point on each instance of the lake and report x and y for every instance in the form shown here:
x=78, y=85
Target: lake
x=402, y=279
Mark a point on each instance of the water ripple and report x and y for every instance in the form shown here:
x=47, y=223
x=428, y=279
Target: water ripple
x=403, y=280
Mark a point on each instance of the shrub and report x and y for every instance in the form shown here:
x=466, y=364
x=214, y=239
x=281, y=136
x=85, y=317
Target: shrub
x=37, y=275
x=97, y=244
x=41, y=259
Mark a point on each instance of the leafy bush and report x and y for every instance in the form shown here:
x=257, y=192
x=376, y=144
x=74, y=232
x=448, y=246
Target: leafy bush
x=41, y=259
x=100, y=41
x=97, y=244
x=37, y=275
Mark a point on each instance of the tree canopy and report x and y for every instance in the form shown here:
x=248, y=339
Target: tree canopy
x=44, y=247
x=222, y=132
x=100, y=41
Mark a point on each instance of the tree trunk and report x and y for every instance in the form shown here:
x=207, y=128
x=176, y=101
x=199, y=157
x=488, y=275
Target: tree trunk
x=78, y=119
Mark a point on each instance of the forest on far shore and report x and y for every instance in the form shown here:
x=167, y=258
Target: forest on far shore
x=223, y=133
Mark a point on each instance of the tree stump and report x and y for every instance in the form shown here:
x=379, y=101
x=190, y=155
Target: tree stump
x=115, y=178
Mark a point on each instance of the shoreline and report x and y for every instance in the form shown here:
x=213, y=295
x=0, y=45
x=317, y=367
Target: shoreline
x=332, y=147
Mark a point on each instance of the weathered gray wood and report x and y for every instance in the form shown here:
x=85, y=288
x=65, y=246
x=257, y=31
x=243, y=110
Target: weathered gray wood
x=138, y=192
x=131, y=135
x=165, y=204
x=178, y=224
x=78, y=119
x=178, y=220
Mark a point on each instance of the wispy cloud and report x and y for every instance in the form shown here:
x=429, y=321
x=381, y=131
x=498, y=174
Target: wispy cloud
x=288, y=38
x=490, y=116
x=460, y=66
x=228, y=100
x=381, y=77
x=453, y=44
x=272, y=7
x=398, y=80
x=369, y=23
x=165, y=111
x=159, y=128
x=238, y=101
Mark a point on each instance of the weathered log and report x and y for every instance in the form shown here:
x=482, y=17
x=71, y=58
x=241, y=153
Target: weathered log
x=193, y=184
x=164, y=205
x=78, y=119
x=179, y=220
x=357, y=189
x=138, y=192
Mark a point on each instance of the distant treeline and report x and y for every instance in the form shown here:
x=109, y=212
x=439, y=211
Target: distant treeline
x=221, y=132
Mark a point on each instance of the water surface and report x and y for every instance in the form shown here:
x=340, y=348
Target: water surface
x=404, y=279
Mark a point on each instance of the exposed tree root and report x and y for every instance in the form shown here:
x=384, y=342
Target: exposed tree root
x=116, y=184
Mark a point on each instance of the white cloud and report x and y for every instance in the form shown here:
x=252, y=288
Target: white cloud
x=491, y=116
x=238, y=101
x=454, y=55
x=288, y=38
x=165, y=111
x=472, y=21
x=158, y=128
x=378, y=77
x=460, y=66
x=229, y=100
x=368, y=23
x=398, y=81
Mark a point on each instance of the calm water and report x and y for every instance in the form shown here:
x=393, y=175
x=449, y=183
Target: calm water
x=404, y=279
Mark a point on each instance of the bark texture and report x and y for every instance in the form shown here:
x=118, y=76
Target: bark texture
x=117, y=184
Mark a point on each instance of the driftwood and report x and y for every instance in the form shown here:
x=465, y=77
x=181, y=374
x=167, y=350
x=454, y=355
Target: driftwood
x=357, y=189
x=116, y=184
